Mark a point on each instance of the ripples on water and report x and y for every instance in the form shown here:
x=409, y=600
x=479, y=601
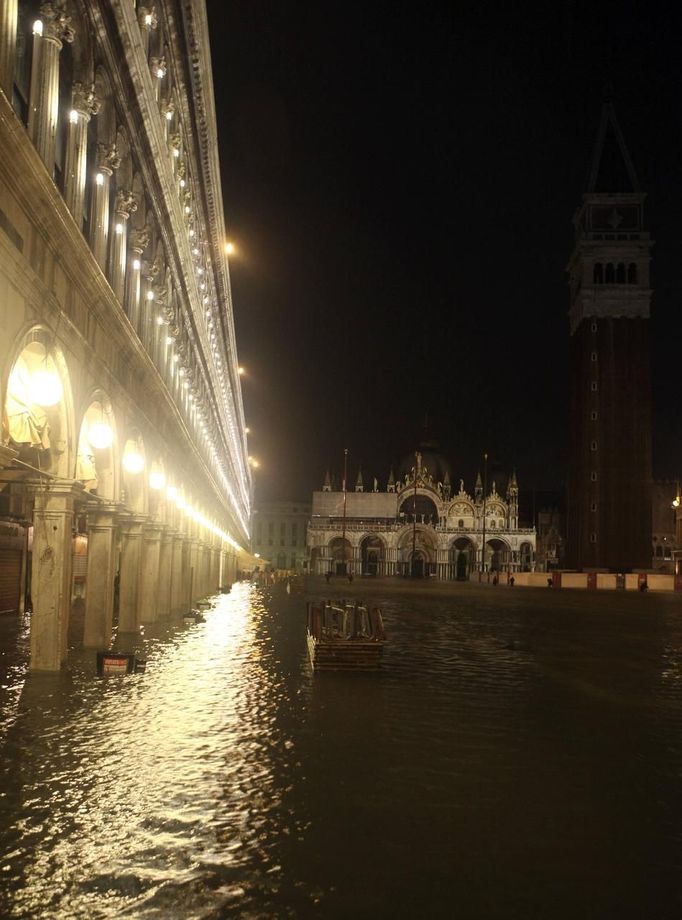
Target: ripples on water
x=509, y=761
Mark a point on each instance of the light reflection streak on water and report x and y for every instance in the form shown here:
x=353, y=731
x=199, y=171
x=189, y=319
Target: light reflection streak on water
x=126, y=809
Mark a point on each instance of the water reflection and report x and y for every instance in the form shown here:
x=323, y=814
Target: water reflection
x=508, y=761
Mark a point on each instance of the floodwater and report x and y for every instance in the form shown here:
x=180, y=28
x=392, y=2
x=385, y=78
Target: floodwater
x=519, y=756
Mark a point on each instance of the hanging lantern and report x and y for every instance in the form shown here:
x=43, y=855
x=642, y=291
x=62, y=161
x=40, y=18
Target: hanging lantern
x=45, y=388
x=100, y=435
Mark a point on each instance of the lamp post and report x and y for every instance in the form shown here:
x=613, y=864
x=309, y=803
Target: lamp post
x=485, y=493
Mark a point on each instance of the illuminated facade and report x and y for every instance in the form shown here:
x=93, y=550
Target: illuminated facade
x=418, y=525
x=279, y=534
x=124, y=456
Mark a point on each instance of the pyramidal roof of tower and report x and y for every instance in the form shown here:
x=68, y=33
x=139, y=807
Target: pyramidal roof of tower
x=612, y=169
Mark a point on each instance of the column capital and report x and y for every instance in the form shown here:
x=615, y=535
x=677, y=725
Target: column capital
x=125, y=204
x=102, y=513
x=131, y=523
x=147, y=18
x=108, y=158
x=57, y=26
x=153, y=530
x=158, y=66
x=167, y=109
x=139, y=239
x=85, y=101
x=56, y=488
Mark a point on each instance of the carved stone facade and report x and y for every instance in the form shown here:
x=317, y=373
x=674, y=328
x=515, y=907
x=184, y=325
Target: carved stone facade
x=418, y=527
x=123, y=425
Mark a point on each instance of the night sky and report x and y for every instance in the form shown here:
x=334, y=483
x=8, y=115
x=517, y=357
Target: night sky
x=400, y=180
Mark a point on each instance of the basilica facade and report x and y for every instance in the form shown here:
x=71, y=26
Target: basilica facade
x=419, y=526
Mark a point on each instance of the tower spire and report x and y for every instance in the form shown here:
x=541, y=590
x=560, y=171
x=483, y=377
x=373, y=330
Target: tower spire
x=612, y=169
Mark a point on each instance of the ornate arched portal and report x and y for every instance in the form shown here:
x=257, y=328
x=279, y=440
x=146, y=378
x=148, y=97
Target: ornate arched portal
x=461, y=559
x=340, y=553
x=372, y=555
x=417, y=552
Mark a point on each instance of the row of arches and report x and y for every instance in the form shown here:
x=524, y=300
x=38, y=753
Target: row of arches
x=93, y=443
x=614, y=273
x=373, y=556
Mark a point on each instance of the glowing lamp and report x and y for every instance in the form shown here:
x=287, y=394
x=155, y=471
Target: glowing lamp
x=133, y=461
x=157, y=480
x=229, y=248
x=73, y=117
x=100, y=435
x=38, y=27
x=45, y=388
x=171, y=493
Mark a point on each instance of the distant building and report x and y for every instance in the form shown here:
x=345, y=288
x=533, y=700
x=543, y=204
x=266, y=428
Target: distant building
x=279, y=534
x=664, y=548
x=419, y=526
x=551, y=542
x=609, y=487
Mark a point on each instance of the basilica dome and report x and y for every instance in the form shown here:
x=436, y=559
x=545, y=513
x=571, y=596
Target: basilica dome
x=433, y=461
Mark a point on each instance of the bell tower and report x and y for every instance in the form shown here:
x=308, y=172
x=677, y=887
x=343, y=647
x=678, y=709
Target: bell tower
x=609, y=481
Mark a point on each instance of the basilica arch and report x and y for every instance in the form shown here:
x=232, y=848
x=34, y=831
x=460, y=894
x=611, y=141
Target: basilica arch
x=372, y=555
x=340, y=553
x=417, y=551
x=461, y=559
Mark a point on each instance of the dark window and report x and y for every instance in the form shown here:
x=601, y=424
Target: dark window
x=610, y=276
x=632, y=273
x=620, y=273
x=598, y=274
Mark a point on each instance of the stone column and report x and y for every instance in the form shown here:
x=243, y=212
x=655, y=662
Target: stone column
x=125, y=205
x=138, y=242
x=163, y=601
x=8, y=44
x=43, y=109
x=85, y=105
x=149, y=572
x=52, y=568
x=129, y=584
x=99, y=596
x=177, y=581
x=107, y=161
x=215, y=573
x=195, y=570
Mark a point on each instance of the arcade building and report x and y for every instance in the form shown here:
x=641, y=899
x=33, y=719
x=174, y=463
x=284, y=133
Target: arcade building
x=419, y=526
